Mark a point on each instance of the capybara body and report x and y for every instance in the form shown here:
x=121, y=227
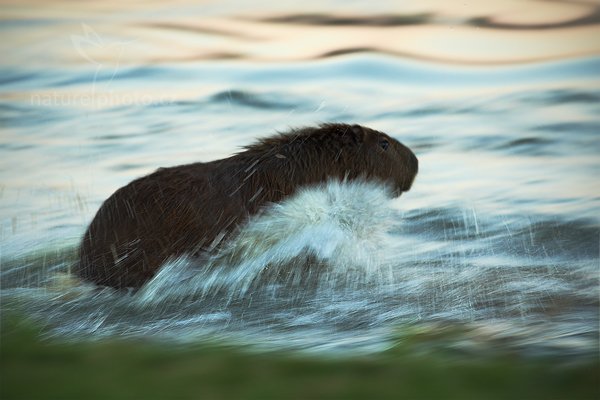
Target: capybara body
x=189, y=209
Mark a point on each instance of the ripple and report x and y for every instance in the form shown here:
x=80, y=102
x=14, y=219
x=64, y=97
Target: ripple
x=363, y=20
x=267, y=101
x=562, y=96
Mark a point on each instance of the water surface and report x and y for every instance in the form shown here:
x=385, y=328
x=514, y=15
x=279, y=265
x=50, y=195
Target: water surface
x=499, y=234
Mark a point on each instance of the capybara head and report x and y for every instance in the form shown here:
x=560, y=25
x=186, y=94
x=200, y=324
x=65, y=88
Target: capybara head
x=342, y=151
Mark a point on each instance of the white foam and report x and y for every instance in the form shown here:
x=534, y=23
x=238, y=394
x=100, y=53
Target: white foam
x=330, y=235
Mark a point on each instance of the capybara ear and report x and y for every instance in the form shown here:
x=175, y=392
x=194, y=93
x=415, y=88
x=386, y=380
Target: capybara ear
x=358, y=131
x=355, y=135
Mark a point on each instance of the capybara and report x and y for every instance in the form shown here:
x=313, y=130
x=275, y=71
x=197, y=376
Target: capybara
x=190, y=209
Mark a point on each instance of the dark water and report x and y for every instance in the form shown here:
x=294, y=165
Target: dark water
x=500, y=233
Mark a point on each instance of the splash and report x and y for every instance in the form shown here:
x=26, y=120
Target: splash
x=326, y=237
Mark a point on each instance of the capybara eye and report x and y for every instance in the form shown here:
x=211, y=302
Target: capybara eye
x=384, y=143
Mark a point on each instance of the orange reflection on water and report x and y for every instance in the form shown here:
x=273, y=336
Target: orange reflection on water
x=481, y=32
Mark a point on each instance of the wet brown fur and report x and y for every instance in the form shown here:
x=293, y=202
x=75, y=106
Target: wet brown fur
x=189, y=209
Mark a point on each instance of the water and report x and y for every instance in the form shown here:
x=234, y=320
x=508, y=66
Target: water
x=499, y=234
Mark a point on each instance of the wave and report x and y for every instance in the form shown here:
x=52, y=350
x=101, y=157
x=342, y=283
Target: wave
x=329, y=236
x=334, y=262
x=253, y=99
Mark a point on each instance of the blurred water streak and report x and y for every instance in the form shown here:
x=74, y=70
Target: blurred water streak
x=500, y=231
